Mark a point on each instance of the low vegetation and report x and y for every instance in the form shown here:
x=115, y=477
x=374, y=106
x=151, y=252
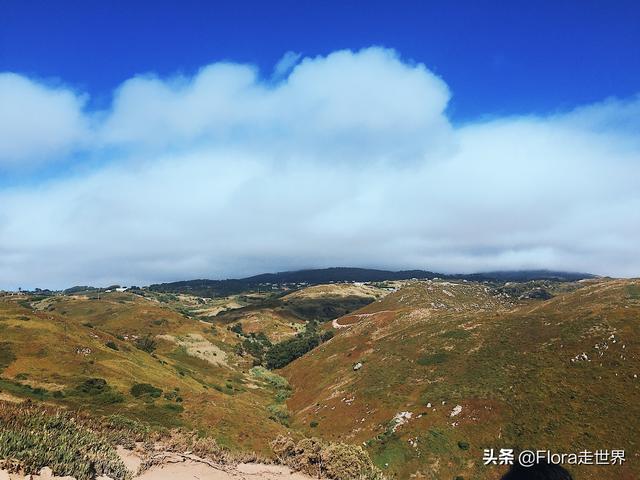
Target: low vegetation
x=145, y=390
x=146, y=344
x=33, y=437
x=6, y=355
x=319, y=458
x=422, y=379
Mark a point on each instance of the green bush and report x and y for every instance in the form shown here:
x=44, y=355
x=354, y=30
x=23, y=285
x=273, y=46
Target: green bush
x=93, y=386
x=100, y=391
x=6, y=355
x=433, y=359
x=237, y=328
x=112, y=345
x=280, y=414
x=145, y=390
x=328, y=335
x=33, y=438
x=173, y=407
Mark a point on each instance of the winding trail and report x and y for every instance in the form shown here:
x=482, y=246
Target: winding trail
x=338, y=326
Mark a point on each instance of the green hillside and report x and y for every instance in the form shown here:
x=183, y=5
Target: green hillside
x=433, y=374
x=425, y=376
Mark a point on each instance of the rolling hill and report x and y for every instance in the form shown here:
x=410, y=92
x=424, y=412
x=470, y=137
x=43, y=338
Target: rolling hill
x=423, y=374
x=270, y=282
x=91, y=352
x=432, y=374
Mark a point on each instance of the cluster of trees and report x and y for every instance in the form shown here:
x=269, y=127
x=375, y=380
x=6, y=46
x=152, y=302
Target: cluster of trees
x=255, y=344
x=283, y=353
x=278, y=355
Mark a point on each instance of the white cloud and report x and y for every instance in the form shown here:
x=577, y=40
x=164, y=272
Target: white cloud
x=37, y=122
x=350, y=159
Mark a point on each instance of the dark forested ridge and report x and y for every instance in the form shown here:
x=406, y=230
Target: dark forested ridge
x=209, y=288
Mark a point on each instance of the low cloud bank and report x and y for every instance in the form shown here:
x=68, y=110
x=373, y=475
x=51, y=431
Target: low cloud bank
x=348, y=159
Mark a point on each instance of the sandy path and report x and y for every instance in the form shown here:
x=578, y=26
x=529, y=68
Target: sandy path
x=337, y=326
x=359, y=316
x=191, y=470
x=187, y=467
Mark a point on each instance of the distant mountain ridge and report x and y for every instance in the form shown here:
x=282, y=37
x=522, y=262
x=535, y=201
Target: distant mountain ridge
x=204, y=287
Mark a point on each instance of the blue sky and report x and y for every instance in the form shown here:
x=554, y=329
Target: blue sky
x=498, y=57
x=147, y=142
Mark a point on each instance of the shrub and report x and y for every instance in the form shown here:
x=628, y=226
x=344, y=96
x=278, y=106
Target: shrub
x=275, y=381
x=100, y=391
x=271, y=378
x=6, y=355
x=145, y=390
x=146, y=344
x=433, y=359
x=328, y=335
x=174, y=407
x=279, y=413
x=93, y=386
x=316, y=457
x=463, y=445
x=236, y=328
x=313, y=424
x=35, y=437
x=112, y=345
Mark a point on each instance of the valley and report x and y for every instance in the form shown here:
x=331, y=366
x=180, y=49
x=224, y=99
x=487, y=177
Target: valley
x=422, y=374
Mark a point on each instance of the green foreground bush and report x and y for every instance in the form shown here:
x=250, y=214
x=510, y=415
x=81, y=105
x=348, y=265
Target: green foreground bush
x=35, y=437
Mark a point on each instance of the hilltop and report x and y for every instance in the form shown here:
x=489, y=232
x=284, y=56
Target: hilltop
x=301, y=278
x=432, y=374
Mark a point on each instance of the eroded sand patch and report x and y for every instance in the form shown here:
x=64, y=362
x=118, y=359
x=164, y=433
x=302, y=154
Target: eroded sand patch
x=198, y=346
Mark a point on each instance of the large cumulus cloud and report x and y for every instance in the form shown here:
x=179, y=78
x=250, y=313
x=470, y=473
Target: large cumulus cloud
x=347, y=159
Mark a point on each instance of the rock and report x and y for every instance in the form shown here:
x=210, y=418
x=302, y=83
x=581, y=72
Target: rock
x=357, y=366
x=46, y=472
x=456, y=411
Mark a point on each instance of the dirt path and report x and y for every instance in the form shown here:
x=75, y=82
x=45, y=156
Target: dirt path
x=186, y=467
x=245, y=471
x=360, y=316
x=336, y=325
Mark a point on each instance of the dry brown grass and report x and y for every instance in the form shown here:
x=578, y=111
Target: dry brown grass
x=316, y=457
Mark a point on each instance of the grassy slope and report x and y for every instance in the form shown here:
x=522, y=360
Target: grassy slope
x=281, y=317
x=506, y=362
x=49, y=340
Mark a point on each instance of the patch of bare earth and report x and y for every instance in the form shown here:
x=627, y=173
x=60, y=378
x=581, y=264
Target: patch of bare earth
x=198, y=346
